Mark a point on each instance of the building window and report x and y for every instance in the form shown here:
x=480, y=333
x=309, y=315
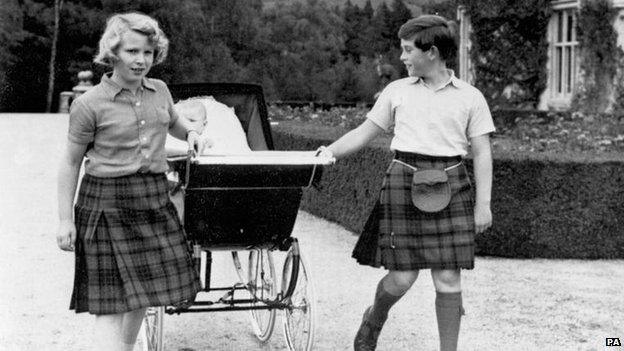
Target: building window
x=563, y=55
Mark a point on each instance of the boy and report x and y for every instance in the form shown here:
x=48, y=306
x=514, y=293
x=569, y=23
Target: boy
x=425, y=216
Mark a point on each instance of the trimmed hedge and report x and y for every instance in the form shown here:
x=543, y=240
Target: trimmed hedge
x=542, y=206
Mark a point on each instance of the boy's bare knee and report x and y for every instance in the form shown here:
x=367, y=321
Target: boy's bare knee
x=399, y=282
x=446, y=280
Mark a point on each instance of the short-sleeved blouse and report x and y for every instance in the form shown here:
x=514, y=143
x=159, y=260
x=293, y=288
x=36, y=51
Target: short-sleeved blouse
x=125, y=132
x=432, y=122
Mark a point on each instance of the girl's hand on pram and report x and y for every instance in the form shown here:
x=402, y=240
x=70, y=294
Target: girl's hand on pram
x=198, y=143
x=66, y=235
x=194, y=141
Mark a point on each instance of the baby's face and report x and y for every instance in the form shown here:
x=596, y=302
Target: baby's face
x=194, y=112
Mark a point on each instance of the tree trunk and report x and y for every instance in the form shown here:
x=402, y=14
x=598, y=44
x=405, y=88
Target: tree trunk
x=58, y=4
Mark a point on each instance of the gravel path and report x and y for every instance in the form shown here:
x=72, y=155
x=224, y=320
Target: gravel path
x=510, y=304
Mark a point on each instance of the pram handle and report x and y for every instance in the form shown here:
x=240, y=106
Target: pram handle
x=187, y=170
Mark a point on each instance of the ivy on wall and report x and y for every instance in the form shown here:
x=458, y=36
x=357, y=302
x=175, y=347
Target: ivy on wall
x=509, y=50
x=599, y=56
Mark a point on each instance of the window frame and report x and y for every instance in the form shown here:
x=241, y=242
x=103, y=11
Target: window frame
x=563, y=60
x=466, y=72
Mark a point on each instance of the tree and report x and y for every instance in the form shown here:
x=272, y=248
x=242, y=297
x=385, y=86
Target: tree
x=350, y=15
x=198, y=37
x=384, y=38
x=11, y=36
x=58, y=5
x=27, y=77
x=367, y=31
x=445, y=8
x=302, y=44
x=399, y=15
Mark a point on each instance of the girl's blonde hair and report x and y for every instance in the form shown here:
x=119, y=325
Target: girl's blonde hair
x=119, y=24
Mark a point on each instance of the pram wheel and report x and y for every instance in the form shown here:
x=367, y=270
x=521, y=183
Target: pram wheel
x=150, y=337
x=261, y=283
x=299, y=317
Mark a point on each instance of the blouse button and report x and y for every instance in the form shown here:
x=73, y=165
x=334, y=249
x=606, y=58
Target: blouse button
x=144, y=139
x=142, y=122
x=138, y=103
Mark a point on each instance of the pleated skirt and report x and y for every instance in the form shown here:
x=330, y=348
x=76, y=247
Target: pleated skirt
x=398, y=236
x=131, y=251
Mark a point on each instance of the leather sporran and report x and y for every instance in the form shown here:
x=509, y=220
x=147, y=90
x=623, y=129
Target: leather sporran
x=431, y=191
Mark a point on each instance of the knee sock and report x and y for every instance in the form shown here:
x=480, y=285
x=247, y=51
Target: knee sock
x=383, y=302
x=449, y=310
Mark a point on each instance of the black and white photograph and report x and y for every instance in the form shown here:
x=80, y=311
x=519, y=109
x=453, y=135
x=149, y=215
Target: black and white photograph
x=298, y=175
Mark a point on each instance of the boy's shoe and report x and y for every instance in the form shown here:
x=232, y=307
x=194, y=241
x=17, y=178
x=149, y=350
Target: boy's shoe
x=367, y=335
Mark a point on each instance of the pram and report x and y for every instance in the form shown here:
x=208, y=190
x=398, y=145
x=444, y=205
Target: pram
x=246, y=203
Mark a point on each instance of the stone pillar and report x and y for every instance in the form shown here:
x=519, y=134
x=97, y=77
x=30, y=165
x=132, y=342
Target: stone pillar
x=64, y=101
x=84, y=83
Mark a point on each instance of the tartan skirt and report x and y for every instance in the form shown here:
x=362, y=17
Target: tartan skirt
x=398, y=236
x=131, y=250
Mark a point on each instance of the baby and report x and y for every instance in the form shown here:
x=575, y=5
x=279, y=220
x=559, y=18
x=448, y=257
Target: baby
x=217, y=125
x=219, y=129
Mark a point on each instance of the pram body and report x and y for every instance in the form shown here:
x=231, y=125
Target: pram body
x=246, y=202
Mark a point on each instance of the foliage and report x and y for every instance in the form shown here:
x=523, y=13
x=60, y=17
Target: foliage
x=543, y=206
x=346, y=118
x=304, y=42
x=568, y=132
x=27, y=76
x=446, y=9
x=509, y=49
x=599, y=55
x=11, y=36
x=301, y=50
x=517, y=130
x=358, y=31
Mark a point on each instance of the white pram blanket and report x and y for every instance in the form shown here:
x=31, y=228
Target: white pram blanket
x=223, y=132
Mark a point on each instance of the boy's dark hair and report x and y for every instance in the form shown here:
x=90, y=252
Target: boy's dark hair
x=431, y=30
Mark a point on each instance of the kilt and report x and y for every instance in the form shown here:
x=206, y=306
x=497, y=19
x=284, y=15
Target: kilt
x=398, y=236
x=131, y=251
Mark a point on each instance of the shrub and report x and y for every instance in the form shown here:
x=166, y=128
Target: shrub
x=517, y=130
x=509, y=49
x=599, y=54
x=548, y=204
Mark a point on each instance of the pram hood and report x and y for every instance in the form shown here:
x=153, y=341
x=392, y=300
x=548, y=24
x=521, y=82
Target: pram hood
x=248, y=103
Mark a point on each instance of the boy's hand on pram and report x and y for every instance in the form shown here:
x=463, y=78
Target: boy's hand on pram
x=323, y=151
x=66, y=235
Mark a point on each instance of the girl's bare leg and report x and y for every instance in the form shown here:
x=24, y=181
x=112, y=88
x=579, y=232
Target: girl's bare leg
x=130, y=328
x=107, y=332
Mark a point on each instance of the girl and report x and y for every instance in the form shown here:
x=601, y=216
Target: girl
x=425, y=216
x=130, y=249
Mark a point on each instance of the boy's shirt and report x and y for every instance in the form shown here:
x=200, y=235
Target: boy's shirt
x=436, y=123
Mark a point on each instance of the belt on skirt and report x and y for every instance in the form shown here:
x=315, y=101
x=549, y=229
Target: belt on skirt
x=403, y=157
